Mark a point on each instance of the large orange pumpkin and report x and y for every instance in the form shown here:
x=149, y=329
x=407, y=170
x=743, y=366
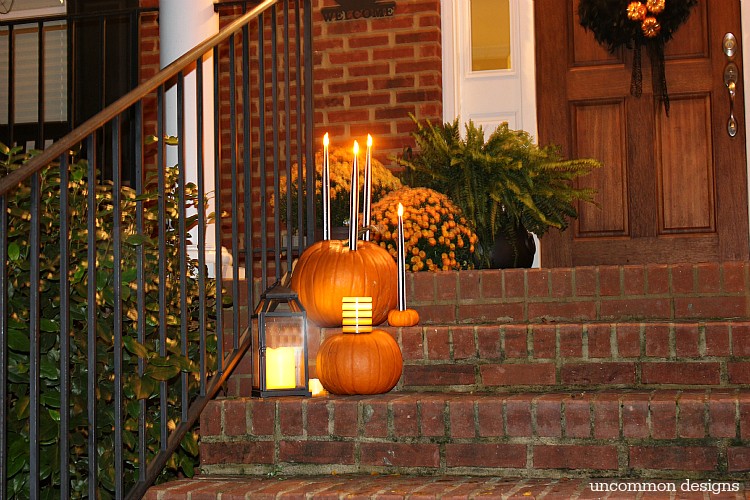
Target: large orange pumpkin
x=328, y=271
x=359, y=363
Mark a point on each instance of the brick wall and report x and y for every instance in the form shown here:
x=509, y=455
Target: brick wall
x=370, y=74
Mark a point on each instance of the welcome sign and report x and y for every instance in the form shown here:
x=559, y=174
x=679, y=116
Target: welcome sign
x=358, y=9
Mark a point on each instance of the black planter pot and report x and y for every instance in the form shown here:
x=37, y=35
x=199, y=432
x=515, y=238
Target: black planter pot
x=517, y=253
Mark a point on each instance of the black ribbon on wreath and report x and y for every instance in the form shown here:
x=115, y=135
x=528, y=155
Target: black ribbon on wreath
x=634, y=25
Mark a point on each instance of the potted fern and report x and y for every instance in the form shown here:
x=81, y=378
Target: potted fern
x=507, y=185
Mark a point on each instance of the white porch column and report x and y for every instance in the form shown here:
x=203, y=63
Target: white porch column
x=182, y=26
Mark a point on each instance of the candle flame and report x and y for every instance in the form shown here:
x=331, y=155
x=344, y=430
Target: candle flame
x=356, y=148
x=369, y=141
x=400, y=210
x=325, y=139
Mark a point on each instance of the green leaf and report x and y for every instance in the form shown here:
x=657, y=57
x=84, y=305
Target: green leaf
x=187, y=466
x=134, y=347
x=49, y=370
x=190, y=444
x=49, y=325
x=18, y=340
x=184, y=363
x=162, y=373
x=18, y=454
x=14, y=251
x=136, y=239
x=130, y=440
x=48, y=428
x=145, y=388
x=129, y=275
x=51, y=399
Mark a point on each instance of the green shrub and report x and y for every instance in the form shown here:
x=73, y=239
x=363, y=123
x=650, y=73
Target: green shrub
x=167, y=369
x=340, y=170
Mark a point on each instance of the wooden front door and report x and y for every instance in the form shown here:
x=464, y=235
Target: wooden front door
x=673, y=188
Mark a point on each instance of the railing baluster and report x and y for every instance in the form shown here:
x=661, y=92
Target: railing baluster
x=248, y=179
x=64, y=331
x=262, y=152
x=309, y=112
x=217, y=216
x=275, y=122
x=3, y=346
x=301, y=205
x=201, y=167
x=182, y=215
x=162, y=244
x=140, y=279
x=288, y=140
x=11, y=87
x=117, y=316
x=35, y=339
x=40, y=86
x=234, y=190
x=91, y=336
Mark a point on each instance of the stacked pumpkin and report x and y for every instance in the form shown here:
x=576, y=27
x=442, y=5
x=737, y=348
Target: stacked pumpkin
x=327, y=272
x=361, y=362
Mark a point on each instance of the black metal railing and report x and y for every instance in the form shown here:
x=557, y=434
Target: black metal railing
x=113, y=335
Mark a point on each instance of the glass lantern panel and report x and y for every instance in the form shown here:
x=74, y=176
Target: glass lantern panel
x=490, y=35
x=256, y=354
x=285, y=350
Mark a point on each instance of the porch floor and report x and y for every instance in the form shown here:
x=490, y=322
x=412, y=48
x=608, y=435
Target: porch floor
x=398, y=487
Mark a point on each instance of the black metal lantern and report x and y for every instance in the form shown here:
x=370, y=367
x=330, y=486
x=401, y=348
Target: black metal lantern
x=280, y=344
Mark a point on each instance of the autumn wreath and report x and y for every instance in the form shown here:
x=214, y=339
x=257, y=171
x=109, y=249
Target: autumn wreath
x=635, y=24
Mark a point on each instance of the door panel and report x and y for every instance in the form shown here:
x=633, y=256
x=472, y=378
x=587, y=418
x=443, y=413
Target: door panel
x=673, y=188
x=605, y=120
x=686, y=201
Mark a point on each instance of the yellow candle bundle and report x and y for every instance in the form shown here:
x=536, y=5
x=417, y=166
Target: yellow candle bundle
x=356, y=314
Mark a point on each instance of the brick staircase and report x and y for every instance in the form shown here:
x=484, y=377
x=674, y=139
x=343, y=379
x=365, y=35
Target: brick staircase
x=516, y=383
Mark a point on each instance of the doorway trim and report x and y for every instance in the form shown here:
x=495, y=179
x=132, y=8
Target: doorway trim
x=452, y=69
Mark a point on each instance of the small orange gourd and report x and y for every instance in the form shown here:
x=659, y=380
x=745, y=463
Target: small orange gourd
x=407, y=317
x=328, y=271
x=359, y=363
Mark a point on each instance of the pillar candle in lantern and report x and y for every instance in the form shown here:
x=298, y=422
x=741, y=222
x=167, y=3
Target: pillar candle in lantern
x=401, y=261
x=281, y=370
x=354, y=201
x=367, y=196
x=326, y=191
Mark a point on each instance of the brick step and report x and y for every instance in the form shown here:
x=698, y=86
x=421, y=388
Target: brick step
x=399, y=487
x=669, y=292
x=575, y=355
x=541, y=356
x=657, y=433
x=603, y=293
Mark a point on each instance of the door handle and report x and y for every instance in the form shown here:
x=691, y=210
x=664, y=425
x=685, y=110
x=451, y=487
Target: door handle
x=730, y=80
